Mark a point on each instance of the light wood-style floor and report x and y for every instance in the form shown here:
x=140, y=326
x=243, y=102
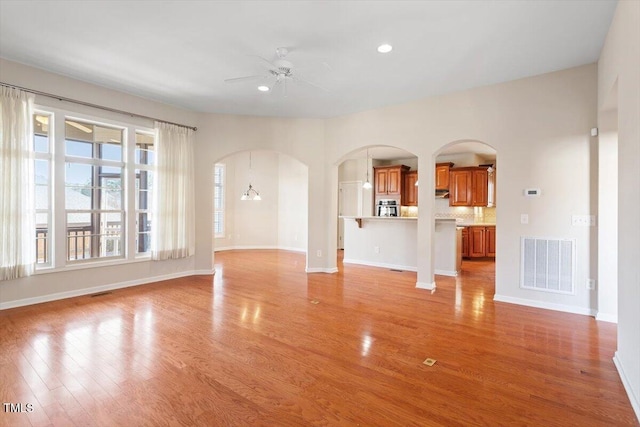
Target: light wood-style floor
x=267, y=344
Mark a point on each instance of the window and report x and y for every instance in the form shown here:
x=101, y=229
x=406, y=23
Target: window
x=102, y=179
x=42, y=124
x=218, y=200
x=93, y=190
x=144, y=159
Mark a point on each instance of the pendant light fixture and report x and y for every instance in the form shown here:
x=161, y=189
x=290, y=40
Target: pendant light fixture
x=367, y=184
x=251, y=193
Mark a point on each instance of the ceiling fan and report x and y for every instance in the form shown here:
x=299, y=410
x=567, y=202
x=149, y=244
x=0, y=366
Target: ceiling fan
x=281, y=70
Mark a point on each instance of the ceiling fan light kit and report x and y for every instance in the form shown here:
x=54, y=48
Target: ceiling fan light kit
x=385, y=48
x=282, y=70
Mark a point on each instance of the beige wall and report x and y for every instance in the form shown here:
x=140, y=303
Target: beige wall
x=71, y=282
x=219, y=136
x=619, y=65
x=279, y=220
x=540, y=128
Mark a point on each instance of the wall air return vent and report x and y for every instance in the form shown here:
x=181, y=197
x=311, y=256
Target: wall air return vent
x=548, y=264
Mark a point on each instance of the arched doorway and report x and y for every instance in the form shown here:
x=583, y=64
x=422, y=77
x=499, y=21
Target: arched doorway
x=277, y=219
x=356, y=199
x=465, y=191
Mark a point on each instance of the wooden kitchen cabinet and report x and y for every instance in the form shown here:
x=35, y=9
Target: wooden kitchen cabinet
x=460, y=187
x=442, y=175
x=479, y=189
x=409, y=190
x=481, y=242
x=389, y=180
x=469, y=186
x=490, y=239
x=477, y=242
x=465, y=242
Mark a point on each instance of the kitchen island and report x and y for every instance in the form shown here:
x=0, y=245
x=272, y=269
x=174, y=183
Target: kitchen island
x=391, y=242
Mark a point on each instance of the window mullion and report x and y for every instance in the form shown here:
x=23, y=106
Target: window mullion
x=130, y=186
x=59, y=222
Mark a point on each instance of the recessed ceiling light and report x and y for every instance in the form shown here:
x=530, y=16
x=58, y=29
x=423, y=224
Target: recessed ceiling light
x=263, y=88
x=385, y=48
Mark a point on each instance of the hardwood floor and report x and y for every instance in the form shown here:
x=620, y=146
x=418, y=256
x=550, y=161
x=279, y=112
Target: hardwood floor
x=268, y=344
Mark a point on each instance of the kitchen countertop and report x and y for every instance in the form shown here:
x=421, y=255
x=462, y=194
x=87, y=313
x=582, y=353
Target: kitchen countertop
x=393, y=218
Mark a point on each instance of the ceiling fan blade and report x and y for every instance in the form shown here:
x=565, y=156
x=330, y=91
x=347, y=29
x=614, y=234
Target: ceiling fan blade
x=243, y=79
x=271, y=65
x=274, y=88
x=301, y=80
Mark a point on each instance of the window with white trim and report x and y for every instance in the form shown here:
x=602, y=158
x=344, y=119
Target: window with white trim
x=144, y=161
x=94, y=204
x=93, y=183
x=218, y=200
x=42, y=126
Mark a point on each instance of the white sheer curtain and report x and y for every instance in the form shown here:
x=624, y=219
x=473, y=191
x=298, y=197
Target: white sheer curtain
x=17, y=210
x=173, y=228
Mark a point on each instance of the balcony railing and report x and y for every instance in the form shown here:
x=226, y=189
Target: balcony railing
x=82, y=243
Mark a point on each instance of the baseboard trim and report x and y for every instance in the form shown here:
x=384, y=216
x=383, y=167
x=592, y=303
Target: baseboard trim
x=635, y=401
x=379, y=264
x=282, y=248
x=321, y=270
x=545, y=305
x=605, y=317
x=428, y=286
x=96, y=289
x=449, y=273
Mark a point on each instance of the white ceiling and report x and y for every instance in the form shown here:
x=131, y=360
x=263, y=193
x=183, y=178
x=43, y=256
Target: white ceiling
x=180, y=53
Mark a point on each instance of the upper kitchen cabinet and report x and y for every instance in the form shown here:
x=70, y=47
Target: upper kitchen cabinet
x=410, y=191
x=460, y=187
x=389, y=180
x=470, y=186
x=479, y=189
x=442, y=175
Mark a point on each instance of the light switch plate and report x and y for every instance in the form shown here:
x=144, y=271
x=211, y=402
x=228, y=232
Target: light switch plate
x=524, y=219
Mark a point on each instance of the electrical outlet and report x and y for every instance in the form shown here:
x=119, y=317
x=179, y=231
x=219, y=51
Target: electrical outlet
x=319, y=253
x=591, y=284
x=524, y=219
x=583, y=220
x=376, y=249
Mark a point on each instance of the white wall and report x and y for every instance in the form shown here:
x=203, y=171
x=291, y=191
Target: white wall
x=356, y=170
x=279, y=220
x=293, y=199
x=220, y=136
x=540, y=128
x=620, y=62
x=72, y=281
x=608, y=216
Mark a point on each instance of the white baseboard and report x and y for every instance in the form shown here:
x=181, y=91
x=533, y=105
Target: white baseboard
x=428, y=286
x=96, y=289
x=321, y=270
x=635, y=400
x=258, y=247
x=545, y=305
x=451, y=273
x=379, y=264
x=606, y=317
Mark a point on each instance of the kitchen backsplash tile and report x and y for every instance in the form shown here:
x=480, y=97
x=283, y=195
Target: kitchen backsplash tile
x=463, y=213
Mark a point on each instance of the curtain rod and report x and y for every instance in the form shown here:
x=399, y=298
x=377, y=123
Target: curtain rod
x=89, y=104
